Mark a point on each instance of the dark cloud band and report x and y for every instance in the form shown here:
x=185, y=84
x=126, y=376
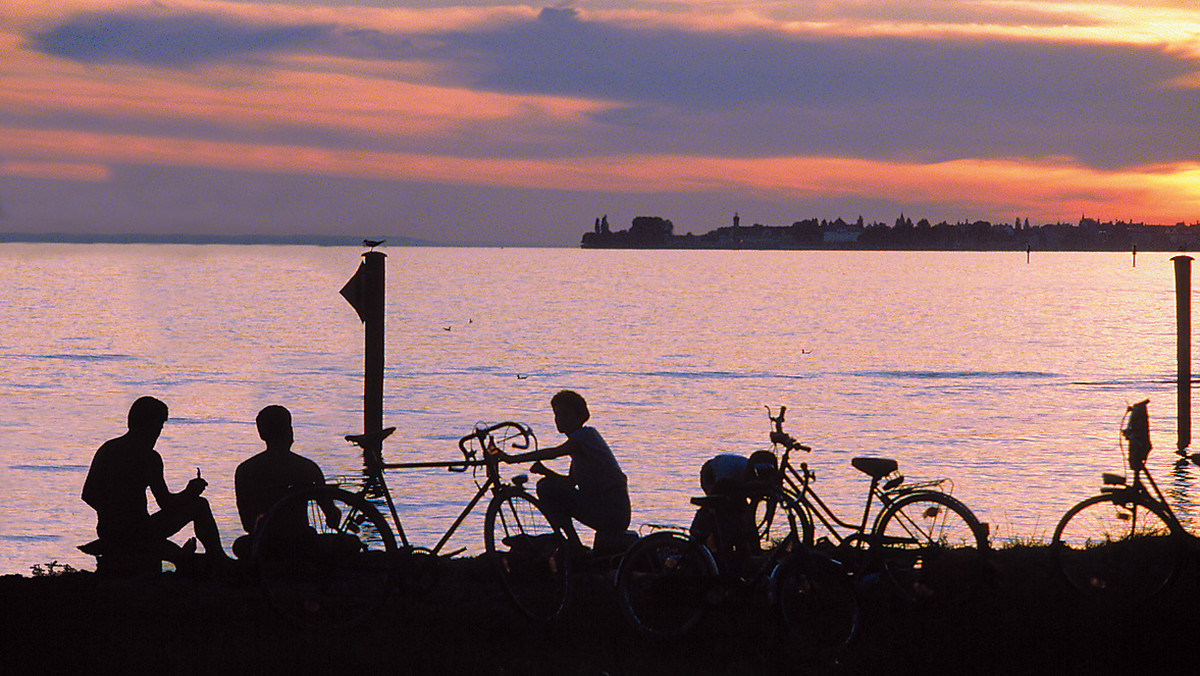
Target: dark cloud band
x=169, y=40
x=748, y=93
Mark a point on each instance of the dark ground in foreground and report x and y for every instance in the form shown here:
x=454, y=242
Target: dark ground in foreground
x=1028, y=623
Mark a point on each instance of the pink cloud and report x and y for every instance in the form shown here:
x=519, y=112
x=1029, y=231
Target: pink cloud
x=60, y=171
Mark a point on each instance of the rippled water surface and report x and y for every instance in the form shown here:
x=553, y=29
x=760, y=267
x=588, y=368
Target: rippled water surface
x=1008, y=377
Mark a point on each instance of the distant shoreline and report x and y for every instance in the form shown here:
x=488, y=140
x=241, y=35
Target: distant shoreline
x=139, y=238
x=1088, y=235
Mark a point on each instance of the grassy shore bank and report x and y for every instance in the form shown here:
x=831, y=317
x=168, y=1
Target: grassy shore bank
x=168, y=624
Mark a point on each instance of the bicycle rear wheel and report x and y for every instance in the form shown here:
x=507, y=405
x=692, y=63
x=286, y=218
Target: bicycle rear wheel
x=930, y=547
x=1117, y=546
x=529, y=554
x=817, y=601
x=663, y=583
x=319, y=575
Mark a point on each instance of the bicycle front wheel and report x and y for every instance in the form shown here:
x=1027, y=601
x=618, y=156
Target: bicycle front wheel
x=1117, y=545
x=930, y=547
x=818, y=602
x=777, y=523
x=529, y=554
x=663, y=583
x=325, y=558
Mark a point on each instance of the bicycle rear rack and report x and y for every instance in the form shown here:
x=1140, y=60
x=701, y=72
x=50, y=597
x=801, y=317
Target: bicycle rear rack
x=892, y=488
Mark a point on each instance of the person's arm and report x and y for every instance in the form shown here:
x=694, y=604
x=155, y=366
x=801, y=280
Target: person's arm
x=91, y=491
x=539, y=468
x=96, y=487
x=241, y=490
x=158, y=485
x=549, y=453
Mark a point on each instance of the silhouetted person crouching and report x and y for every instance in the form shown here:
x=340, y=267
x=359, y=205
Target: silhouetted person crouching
x=594, y=491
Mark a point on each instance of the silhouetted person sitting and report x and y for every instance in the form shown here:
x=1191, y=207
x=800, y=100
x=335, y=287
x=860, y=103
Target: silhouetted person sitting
x=122, y=470
x=262, y=480
x=594, y=491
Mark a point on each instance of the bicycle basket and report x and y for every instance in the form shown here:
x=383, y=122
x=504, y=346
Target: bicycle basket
x=762, y=468
x=723, y=474
x=1137, y=432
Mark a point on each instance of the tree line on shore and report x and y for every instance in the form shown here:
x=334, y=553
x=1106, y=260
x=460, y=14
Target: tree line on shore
x=1088, y=234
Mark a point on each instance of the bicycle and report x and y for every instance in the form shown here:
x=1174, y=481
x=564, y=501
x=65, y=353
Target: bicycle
x=1126, y=541
x=326, y=556
x=926, y=543
x=668, y=580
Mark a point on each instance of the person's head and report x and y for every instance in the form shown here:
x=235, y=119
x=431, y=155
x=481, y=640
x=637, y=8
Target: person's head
x=147, y=414
x=275, y=425
x=570, y=411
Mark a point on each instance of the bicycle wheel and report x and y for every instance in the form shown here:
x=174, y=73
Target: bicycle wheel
x=529, y=554
x=776, y=523
x=930, y=547
x=1117, y=545
x=662, y=583
x=320, y=575
x=817, y=601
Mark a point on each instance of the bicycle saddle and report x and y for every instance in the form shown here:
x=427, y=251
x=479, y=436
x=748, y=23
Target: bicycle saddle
x=370, y=437
x=719, y=502
x=876, y=468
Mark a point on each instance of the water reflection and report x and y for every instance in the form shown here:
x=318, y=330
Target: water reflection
x=1009, y=379
x=1180, y=492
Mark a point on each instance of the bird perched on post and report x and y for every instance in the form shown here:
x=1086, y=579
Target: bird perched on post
x=373, y=242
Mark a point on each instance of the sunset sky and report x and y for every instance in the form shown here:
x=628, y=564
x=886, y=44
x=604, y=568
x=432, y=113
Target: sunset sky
x=504, y=123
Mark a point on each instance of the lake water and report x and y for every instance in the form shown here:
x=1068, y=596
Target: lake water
x=1010, y=377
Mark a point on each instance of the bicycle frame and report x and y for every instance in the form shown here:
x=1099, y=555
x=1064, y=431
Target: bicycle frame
x=375, y=467
x=798, y=484
x=796, y=492
x=797, y=487
x=296, y=576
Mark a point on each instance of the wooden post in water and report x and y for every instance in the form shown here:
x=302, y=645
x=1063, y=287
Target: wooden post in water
x=365, y=291
x=1183, y=324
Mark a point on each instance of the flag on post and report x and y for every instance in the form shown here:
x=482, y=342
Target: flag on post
x=355, y=291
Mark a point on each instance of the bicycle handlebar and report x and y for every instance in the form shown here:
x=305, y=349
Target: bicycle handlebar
x=781, y=438
x=514, y=434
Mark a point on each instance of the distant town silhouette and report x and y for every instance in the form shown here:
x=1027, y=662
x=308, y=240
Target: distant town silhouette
x=1088, y=234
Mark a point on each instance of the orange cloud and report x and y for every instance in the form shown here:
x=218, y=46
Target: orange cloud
x=314, y=95
x=1156, y=193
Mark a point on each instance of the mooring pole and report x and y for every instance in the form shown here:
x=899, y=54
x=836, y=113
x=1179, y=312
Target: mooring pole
x=373, y=381
x=365, y=291
x=1183, y=324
